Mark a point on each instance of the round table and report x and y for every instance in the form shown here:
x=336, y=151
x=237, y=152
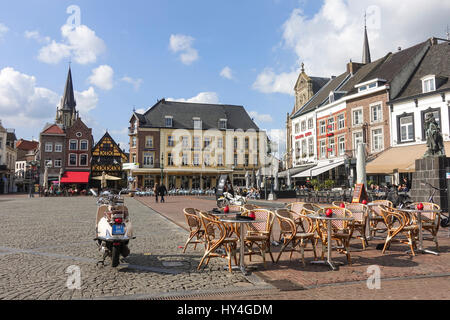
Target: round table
x=328, y=220
x=419, y=218
x=241, y=222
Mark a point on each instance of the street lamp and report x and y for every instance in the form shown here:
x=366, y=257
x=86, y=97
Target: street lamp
x=162, y=168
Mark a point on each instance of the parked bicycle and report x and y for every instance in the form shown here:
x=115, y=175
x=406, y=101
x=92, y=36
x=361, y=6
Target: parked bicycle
x=444, y=221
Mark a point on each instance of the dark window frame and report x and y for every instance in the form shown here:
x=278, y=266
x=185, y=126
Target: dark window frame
x=399, y=136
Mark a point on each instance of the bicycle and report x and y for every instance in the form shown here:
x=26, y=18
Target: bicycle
x=445, y=221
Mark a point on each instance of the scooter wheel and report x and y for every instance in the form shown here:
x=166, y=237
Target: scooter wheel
x=445, y=223
x=115, y=255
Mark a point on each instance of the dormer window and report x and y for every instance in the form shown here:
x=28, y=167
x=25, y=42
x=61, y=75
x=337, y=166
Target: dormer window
x=169, y=121
x=428, y=84
x=222, y=123
x=197, y=123
x=371, y=84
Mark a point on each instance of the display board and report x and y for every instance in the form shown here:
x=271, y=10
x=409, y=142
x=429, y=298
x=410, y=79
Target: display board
x=359, y=193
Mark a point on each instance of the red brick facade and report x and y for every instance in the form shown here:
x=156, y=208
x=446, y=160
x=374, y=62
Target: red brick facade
x=375, y=132
x=78, y=146
x=336, y=128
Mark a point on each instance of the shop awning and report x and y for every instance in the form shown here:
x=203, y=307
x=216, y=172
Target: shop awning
x=402, y=159
x=75, y=177
x=319, y=169
x=296, y=170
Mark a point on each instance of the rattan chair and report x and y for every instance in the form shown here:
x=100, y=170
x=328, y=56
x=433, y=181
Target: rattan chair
x=431, y=220
x=342, y=231
x=376, y=217
x=259, y=234
x=399, y=223
x=292, y=237
x=216, y=236
x=360, y=213
x=195, y=228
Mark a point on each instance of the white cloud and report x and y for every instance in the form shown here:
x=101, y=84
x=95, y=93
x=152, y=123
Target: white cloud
x=182, y=44
x=202, y=97
x=135, y=82
x=35, y=35
x=79, y=42
x=270, y=82
x=258, y=117
x=227, y=73
x=102, y=77
x=22, y=103
x=86, y=101
x=3, y=30
x=327, y=41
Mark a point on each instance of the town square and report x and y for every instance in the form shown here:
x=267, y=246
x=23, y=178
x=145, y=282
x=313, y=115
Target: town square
x=299, y=151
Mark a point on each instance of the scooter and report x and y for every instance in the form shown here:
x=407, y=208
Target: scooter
x=113, y=227
x=228, y=199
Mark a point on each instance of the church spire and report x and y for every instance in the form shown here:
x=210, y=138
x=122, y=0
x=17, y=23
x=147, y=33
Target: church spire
x=366, y=50
x=68, y=99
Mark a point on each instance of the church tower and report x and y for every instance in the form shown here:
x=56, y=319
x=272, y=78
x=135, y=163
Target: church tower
x=366, y=50
x=66, y=113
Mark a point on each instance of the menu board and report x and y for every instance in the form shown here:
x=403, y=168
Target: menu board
x=359, y=193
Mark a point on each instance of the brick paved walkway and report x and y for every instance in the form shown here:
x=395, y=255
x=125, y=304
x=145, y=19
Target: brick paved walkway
x=291, y=275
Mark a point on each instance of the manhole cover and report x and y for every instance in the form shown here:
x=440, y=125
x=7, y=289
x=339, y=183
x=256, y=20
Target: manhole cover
x=172, y=264
x=286, y=285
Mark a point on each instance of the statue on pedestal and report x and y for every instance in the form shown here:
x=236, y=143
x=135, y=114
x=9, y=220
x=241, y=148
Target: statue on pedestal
x=435, y=143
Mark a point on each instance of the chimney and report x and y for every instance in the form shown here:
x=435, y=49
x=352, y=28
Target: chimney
x=352, y=67
x=433, y=41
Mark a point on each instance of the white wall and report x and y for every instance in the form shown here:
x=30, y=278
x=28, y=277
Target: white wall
x=409, y=106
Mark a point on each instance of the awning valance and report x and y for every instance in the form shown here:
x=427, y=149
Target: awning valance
x=75, y=177
x=319, y=169
x=402, y=159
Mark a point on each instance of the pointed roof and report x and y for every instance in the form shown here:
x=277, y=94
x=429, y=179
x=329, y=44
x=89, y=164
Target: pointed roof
x=366, y=50
x=68, y=99
x=52, y=129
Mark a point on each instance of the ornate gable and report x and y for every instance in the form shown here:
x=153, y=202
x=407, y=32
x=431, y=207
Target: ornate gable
x=107, y=156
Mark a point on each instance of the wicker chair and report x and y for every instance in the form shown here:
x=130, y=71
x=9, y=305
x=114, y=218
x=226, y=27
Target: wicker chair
x=399, y=223
x=216, y=236
x=341, y=232
x=291, y=235
x=376, y=216
x=195, y=228
x=360, y=214
x=431, y=220
x=259, y=234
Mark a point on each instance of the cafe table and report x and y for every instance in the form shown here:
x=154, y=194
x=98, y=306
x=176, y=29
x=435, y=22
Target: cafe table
x=241, y=223
x=329, y=247
x=419, y=220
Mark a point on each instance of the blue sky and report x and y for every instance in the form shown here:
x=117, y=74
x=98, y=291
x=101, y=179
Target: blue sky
x=128, y=54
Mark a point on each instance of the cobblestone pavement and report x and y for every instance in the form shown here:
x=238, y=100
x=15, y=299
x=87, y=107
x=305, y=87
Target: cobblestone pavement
x=42, y=237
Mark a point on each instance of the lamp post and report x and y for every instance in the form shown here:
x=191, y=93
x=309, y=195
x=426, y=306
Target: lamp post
x=162, y=168
x=32, y=170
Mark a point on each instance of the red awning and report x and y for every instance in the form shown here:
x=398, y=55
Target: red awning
x=75, y=177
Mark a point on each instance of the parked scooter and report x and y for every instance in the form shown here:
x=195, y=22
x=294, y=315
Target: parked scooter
x=228, y=199
x=113, y=227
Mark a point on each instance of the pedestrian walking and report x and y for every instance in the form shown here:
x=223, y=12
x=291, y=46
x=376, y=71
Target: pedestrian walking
x=156, y=190
x=162, y=192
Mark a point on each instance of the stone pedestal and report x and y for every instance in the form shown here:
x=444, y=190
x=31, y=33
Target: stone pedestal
x=433, y=171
